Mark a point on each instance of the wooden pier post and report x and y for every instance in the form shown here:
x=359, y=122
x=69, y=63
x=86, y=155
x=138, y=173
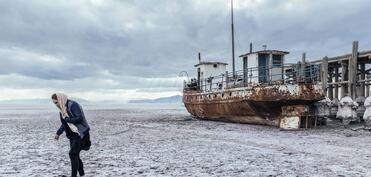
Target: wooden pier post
x=344, y=72
x=336, y=81
x=353, y=71
x=363, y=77
x=324, y=74
x=330, y=86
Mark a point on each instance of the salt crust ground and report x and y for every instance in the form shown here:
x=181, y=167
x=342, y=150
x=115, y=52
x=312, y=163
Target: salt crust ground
x=164, y=141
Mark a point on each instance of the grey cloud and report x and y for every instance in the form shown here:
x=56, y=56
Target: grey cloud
x=135, y=41
x=16, y=60
x=151, y=36
x=317, y=27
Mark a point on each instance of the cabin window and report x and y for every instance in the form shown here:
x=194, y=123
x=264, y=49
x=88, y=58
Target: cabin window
x=215, y=96
x=222, y=95
x=277, y=60
x=215, y=65
x=230, y=93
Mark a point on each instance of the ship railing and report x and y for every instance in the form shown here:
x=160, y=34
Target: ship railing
x=258, y=76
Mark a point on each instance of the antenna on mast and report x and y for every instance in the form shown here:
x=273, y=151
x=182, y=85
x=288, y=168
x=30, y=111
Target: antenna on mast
x=232, y=25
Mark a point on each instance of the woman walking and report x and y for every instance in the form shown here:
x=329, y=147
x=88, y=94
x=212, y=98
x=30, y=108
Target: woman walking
x=76, y=128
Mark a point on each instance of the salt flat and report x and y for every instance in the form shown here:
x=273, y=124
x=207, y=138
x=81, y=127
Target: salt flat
x=163, y=140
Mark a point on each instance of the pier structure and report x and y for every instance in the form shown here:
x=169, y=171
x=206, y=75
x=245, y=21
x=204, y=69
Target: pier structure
x=346, y=75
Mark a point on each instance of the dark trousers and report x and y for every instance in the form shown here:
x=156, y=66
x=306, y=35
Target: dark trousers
x=76, y=163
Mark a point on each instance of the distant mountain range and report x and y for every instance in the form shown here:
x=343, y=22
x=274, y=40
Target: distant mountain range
x=37, y=101
x=171, y=99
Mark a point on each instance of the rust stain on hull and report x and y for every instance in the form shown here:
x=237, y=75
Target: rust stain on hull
x=253, y=105
x=234, y=111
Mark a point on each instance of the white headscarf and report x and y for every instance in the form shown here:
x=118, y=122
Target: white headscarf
x=62, y=100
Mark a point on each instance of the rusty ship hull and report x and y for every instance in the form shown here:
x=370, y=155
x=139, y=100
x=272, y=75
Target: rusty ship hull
x=253, y=105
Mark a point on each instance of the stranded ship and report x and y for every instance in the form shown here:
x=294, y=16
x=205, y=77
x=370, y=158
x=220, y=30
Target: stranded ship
x=266, y=91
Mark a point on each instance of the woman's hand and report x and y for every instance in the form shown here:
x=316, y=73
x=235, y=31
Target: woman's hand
x=56, y=137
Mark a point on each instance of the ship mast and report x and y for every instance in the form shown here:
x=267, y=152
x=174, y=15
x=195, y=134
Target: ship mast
x=232, y=26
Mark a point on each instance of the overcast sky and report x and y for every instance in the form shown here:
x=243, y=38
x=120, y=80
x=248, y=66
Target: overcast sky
x=120, y=50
